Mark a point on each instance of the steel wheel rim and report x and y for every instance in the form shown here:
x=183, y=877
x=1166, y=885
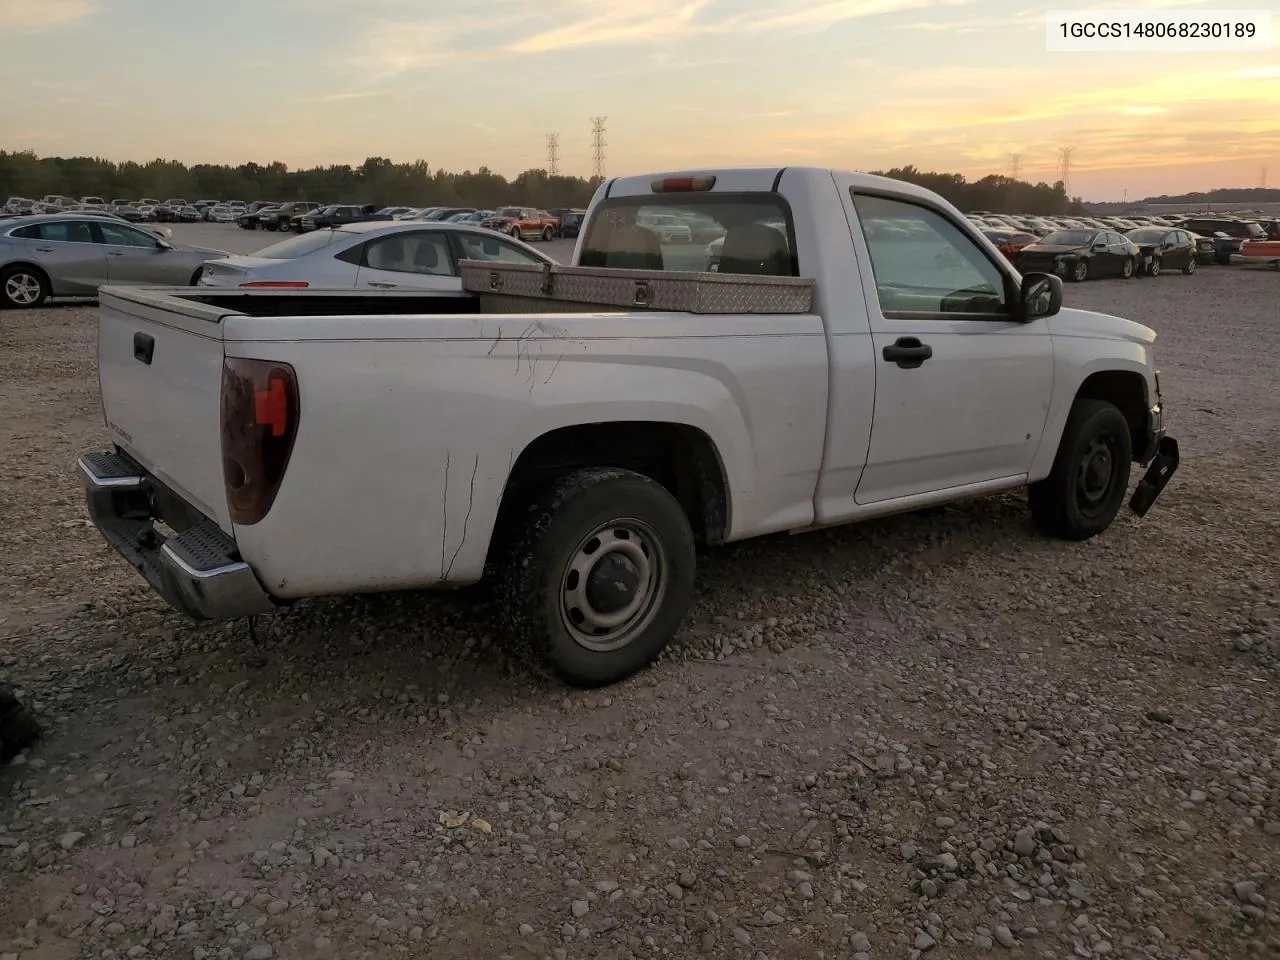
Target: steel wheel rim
x=1082, y=270
x=22, y=289
x=1095, y=477
x=621, y=561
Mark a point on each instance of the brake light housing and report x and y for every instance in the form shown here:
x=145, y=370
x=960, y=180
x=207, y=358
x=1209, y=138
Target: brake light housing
x=260, y=410
x=683, y=184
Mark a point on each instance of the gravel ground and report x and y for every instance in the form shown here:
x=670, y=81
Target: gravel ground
x=935, y=735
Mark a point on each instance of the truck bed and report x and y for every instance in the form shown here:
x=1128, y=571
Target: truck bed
x=490, y=288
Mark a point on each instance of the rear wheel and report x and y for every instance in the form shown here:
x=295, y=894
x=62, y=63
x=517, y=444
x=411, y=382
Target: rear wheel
x=1086, y=488
x=22, y=287
x=1190, y=266
x=599, y=575
x=548, y=234
x=1155, y=267
x=1126, y=268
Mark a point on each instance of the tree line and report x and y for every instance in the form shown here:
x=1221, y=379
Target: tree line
x=378, y=180
x=994, y=193
x=1238, y=195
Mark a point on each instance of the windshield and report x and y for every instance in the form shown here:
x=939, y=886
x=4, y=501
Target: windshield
x=1070, y=238
x=302, y=245
x=1147, y=235
x=508, y=212
x=689, y=232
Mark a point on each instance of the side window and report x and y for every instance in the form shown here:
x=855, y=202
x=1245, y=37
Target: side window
x=66, y=231
x=124, y=236
x=31, y=232
x=491, y=248
x=425, y=253
x=924, y=263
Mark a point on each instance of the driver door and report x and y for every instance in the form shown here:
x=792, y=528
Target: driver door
x=973, y=409
x=134, y=258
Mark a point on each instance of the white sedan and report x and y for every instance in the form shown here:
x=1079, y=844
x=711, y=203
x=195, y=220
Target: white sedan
x=377, y=255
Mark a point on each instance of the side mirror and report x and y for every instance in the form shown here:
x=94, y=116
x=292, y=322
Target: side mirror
x=1040, y=296
x=163, y=244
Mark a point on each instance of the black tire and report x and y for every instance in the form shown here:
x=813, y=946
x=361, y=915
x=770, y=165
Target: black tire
x=537, y=575
x=1154, y=269
x=1190, y=267
x=23, y=287
x=548, y=234
x=195, y=277
x=1084, y=491
x=515, y=232
x=1080, y=272
x=1128, y=268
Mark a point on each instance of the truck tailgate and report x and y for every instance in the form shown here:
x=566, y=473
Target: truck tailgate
x=160, y=372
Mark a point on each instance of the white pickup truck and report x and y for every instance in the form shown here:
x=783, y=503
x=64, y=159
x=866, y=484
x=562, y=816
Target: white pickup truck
x=818, y=348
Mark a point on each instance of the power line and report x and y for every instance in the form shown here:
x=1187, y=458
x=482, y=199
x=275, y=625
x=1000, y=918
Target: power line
x=1064, y=156
x=1015, y=165
x=553, y=154
x=597, y=145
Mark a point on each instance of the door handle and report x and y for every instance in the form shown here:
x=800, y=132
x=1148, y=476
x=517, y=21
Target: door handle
x=115, y=253
x=384, y=286
x=144, y=347
x=44, y=249
x=907, y=352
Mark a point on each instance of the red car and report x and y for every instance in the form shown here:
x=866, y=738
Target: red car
x=1009, y=242
x=524, y=223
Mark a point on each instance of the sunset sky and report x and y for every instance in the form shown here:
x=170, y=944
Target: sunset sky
x=948, y=85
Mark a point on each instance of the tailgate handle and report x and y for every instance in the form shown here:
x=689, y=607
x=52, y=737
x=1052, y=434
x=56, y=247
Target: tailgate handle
x=144, y=347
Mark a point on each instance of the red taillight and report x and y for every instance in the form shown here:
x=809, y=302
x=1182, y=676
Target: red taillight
x=683, y=184
x=259, y=419
x=271, y=407
x=290, y=284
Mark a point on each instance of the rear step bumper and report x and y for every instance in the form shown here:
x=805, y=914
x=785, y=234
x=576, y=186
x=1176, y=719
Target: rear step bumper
x=198, y=571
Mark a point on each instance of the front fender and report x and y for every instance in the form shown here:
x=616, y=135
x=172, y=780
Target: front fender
x=1075, y=360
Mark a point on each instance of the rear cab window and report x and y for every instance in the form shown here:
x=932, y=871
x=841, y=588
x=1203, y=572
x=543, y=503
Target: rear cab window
x=740, y=233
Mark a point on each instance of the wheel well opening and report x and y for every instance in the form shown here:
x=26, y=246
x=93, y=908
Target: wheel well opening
x=1128, y=392
x=681, y=458
x=24, y=265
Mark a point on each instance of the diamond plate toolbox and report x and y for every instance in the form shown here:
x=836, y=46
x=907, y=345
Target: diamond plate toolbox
x=641, y=289
x=509, y=279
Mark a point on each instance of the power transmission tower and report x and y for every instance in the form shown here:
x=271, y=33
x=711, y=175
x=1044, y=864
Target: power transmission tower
x=1064, y=156
x=553, y=154
x=1015, y=165
x=597, y=145
x=1263, y=180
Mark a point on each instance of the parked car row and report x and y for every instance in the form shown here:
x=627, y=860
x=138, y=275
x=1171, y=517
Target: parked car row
x=1217, y=238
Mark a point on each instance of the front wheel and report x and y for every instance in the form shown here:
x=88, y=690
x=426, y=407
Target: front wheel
x=599, y=575
x=1080, y=273
x=1155, y=267
x=1190, y=266
x=515, y=232
x=548, y=234
x=1086, y=488
x=22, y=288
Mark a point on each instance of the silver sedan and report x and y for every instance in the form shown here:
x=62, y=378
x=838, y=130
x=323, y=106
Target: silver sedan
x=377, y=255
x=71, y=255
